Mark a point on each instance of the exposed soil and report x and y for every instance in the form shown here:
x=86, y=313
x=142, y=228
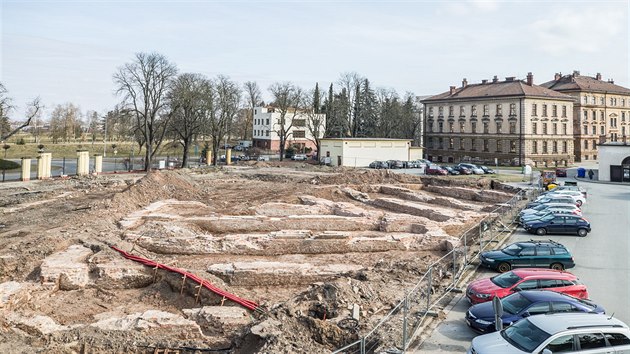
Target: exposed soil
x=306, y=243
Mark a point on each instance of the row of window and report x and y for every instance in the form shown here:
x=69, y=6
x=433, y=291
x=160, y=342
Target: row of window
x=602, y=101
x=554, y=110
x=261, y=132
x=602, y=130
x=537, y=147
x=260, y=121
x=473, y=127
x=602, y=115
x=473, y=110
x=554, y=128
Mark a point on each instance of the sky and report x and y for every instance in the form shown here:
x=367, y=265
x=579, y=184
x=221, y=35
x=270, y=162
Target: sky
x=67, y=51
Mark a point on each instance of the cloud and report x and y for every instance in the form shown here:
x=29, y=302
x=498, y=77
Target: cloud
x=590, y=30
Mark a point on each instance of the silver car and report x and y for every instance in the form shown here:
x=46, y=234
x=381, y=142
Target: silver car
x=557, y=333
x=474, y=168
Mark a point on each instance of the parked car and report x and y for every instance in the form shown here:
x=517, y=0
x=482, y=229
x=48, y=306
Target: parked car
x=561, y=172
x=576, y=195
x=436, y=170
x=487, y=170
x=544, y=254
x=557, y=333
x=559, y=224
x=516, y=280
x=569, y=208
x=533, y=217
x=462, y=170
x=451, y=170
x=379, y=164
x=568, y=187
x=523, y=304
x=474, y=168
x=395, y=164
x=299, y=157
x=566, y=199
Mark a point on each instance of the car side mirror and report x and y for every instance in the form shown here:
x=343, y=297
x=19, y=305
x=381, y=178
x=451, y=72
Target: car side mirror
x=526, y=314
x=517, y=289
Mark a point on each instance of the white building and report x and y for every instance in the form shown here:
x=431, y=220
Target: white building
x=266, y=126
x=359, y=152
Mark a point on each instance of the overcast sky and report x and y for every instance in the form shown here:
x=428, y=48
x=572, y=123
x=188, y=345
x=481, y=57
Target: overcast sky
x=67, y=51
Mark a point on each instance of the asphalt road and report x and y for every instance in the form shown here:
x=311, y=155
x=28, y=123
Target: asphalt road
x=602, y=263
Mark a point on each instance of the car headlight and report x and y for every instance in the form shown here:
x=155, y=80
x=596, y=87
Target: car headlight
x=483, y=322
x=482, y=296
x=489, y=260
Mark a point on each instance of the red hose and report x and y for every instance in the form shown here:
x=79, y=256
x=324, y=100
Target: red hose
x=206, y=284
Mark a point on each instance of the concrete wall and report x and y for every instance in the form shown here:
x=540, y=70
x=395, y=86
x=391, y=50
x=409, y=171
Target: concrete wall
x=361, y=152
x=611, y=155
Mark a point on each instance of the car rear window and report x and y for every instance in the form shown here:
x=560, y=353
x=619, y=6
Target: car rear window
x=505, y=280
x=617, y=339
x=559, y=250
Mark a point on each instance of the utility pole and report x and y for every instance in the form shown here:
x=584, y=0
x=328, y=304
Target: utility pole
x=105, y=139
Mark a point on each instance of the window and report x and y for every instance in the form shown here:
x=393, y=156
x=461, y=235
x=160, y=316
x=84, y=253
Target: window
x=585, y=115
x=534, y=128
x=547, y=283
x=539, y=308
x=473, y=145
x=528, y=284
x=473, y=126
x=440, y=143
x=586, y=130
x=535, y=147
x=554, y=110
x=562, y=344
x=485, y=110
x=593, y=130
x=430, y=143
x=564, y=129
x=450, y=143
x=617, y=339
x=592, y=99
x=565, y=146
x=451, y=109
x=623, y=116
x=544, y=129
x=485, y=128
x=461, y=143
x=450, y=127
x=555, y=147
x=461, y=126
x=499, y=109
x=544, y=150
x=512, y=127
x=585, y=144
x=441, y=127
x=594, y=115
x=485, y=144
x=473, y=110
x=299, y=134
x=623, y=131
x=563, y=307
x=555, y=128
x=498, y=127
x=594, y=144
x=534, y=110
x=544, y=112
x=612, y=101
x=601, y=101
x=299, y=122
x=543, y=251
x=441, y=111
x=267, y=133
x=584, y=99
x=430, y=112
x=462, y=111
x=430, y=126
x=267, y=121
x=602, y=130
x=591, y=341
x=499, y=146
x=564, y=111
x=601, y=115
x=512, y=109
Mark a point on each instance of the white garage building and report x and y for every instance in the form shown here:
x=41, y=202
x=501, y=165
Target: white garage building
x=614, y=162
x=360, y=152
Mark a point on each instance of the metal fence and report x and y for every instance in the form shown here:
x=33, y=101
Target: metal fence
x=403, y=323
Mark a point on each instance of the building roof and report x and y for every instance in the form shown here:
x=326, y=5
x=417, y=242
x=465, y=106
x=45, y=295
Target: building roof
x=507, y=88
x=577, y=82
x=366, y=139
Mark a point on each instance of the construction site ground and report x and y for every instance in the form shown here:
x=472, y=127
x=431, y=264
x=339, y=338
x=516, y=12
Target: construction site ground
x=312, y=246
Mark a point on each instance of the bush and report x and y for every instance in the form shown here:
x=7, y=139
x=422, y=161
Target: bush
x=21, y=142
x=8, y=165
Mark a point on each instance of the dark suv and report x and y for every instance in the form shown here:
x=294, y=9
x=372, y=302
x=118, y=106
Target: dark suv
x=540, y=254
x=559, y=224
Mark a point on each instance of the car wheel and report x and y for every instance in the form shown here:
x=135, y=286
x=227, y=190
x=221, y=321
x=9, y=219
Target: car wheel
x=504, y=267
x=557, y=266
x=579, y=203
x=582, y=232
x=541, y=231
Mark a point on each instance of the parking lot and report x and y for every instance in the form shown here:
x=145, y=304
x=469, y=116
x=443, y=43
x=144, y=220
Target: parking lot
x=601, y=263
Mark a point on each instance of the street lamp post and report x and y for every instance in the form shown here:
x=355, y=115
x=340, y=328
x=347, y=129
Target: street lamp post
x=5, y=147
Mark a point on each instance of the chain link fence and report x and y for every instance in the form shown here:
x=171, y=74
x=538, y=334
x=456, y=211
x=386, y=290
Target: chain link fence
x=405, y=320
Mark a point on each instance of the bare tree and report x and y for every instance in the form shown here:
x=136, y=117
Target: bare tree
x=65, y=122
x=287, y=98
x=315, y=121
x=221, y=105
x=254, y=99
x=33, y=109
x=144, y=84
x=350, y=82
x=186, y=100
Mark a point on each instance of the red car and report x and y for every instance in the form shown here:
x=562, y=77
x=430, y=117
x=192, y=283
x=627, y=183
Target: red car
x=502, y=285
x=436, y=170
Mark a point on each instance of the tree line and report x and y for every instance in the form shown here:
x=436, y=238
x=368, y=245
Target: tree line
x=160, y=104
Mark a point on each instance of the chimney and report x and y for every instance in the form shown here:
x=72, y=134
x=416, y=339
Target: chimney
x=510, y=78
x=464, y=82
x=576, y=73
x=484, y=81
x=495, y=79
x=557, y=76
x=598, y=76
x=611, y=81
x=452, y=89
x=530, y=79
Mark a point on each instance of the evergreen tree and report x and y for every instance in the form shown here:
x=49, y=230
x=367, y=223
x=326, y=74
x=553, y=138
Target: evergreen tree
x=316, y=100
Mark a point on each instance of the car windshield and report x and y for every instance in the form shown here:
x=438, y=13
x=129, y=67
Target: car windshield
x=540, y=207
x=547, y=217
x=512, y=249
x=524, y=335
x=505, y=280
x=515, y=303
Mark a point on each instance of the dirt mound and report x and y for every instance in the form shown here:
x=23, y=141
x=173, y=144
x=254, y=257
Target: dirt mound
x=354, y=176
